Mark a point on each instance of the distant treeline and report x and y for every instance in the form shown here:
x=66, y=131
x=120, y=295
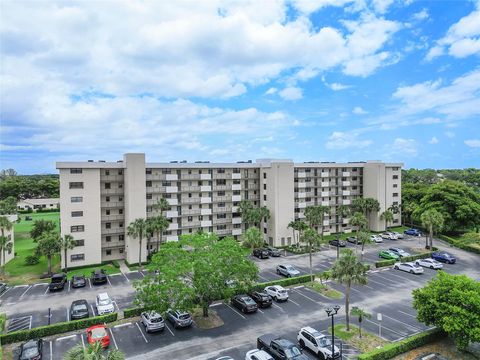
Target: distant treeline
x=470, y=176
x=28, y=186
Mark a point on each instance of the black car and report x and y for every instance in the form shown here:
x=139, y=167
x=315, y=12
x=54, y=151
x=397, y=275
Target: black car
x=261, y=298
x=99, y=277
x=57, y=282
x=79, y=310
x=31, y=350
x=244, y=303
x=78, y=281
x=273, y=252
x=260, y=253
x=352, y=239
x=338, y=243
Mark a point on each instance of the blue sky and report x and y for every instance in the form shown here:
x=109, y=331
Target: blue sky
x=324, y=80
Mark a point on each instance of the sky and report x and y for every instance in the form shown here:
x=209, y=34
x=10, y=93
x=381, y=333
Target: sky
x=224, y=81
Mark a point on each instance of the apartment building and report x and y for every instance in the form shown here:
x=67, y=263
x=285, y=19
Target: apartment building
x=9, y=234
x=99, y=199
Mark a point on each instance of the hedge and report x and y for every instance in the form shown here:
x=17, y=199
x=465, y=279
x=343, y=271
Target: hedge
x=58, y=328
x=131, y=312
x=393, y=349
x=383, y=263
x=285, y=282
x=459, y=244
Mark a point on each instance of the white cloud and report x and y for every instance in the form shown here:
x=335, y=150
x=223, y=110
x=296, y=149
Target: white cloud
x=474, y=143
x=433, y=140
x=421, y=15
x=341, y=140
x=449, y=134
x=338, y=86
x=381, y=6
x=405, y=146
x=271, y=91
x=291, y=93
x=359, y=111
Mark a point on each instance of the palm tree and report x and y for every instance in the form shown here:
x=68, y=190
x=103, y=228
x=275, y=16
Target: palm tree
x=157, y=225
x=407, y=210
x=371, y=205
x=93, y=351
x=387, y=215
x=300, y=226
x=253, y=238
x=67, y=243
x=433, y=221
x=138, y=229
x=356, y=311
x=245, y=207
x=362, y=237
x=260, y=214
x=343, y=211
x=310, y=237
x=360, y=222
x=348, y=271
x=162, y=205
x=49, y=244
x=359, y=205
x=315, y=215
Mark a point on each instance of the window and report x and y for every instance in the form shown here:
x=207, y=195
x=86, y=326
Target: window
x=148, y=184
x=120, y=185
x=76, y=199
x=107, y=185
x=166, y=171
x=120, y=224
x=76, y=185
x=149, y=209
x=107, y=212
x=120, y=172
x=395, y=185
x=221, y=216
x=221, y=227
x=148, y=171
x=107, y=172
x=149, y=196
x=221, y=182
x=108, y=238
x=120, y=251
x=264, y=186
x=395, y=194
x=221, y=204
x=221, y=193
x=264, y=175
x=108, y=225
x=120, y=198
x=395, y=203
x=75, y=171
x=77, y=228
x=108, y=252
x=107, y=198
x=77, y=213
x=220, y=171
x=189, y=195
x=79, y=242
x=264, y=197
x=121, y=237
x=395, y=177
x=190, y=218
x=77, y=257
x=120, y=211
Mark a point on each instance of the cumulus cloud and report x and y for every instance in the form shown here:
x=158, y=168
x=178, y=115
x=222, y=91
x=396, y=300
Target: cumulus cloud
x=421, y=15
x=474, y=143
x=343, y=140
x=291, y=93
x=357, y=110
x=405, y=146
x=433, y=140
x=449, y=134
x=271, y=91
x=338, y=86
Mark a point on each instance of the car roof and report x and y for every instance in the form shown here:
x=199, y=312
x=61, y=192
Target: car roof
x=79, y=301
x=97, y=327
x=103, y=295
x=315, y=333
x=58, y=275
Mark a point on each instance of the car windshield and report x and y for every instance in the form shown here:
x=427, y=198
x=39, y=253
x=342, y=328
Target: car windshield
x=98, y=333
x=78, y=278
x=324, y=341
x=156, y=319
x=248, y=301
x=290, y=267
x=184, y=317
x=79, y=307
x=104, y=302
x=282, y=291
x=30, y=352
x=57, y=279
x=293, y=351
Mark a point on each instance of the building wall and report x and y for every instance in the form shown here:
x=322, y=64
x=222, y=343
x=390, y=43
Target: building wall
x=10, y=234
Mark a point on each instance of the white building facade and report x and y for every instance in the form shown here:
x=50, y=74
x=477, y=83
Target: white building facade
x=99, y=199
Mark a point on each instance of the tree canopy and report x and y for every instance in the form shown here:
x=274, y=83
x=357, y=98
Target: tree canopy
x=28, y=186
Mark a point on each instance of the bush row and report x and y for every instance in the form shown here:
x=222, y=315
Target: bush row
x=58, y=328
x=131, y=312
x=459, y=244
x=383, y=263
x=393, y=349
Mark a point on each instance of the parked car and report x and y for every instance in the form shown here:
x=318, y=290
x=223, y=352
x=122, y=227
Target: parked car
x=104, y=304
x=387, y=254
x=429, y=263
x=389, y=236
x=3, y=287
x=277, y=292
x=79, y=310
x=400, y=252
x=225, y=358
x=410, y=267
x=352, y=239
x=280, y=349
x=256, y=354
x=376, y=238
x=413, y=232
x=287, y=270
x=338, y=243
x=31, y=350
x=260, y=253
x=78, y=281
x=152, y=321
x=261, y=298
x=99, y=277
x=443, y=256
x=274, y=252
x=179, y=319
x=244, y=303
x=397, y=234
x=57, y=282
x=318, y=343
x=98, y=333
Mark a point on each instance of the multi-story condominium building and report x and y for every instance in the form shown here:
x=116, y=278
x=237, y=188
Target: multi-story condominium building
x=9, y=234
x=98, y=200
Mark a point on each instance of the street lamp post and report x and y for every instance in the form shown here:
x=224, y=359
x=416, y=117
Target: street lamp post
x=332, y=312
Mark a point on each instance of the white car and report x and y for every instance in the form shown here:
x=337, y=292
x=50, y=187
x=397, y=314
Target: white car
x=429, y=263
x=376, y=238
x=277, y=292
x=389, y=236
x=398, y=235
x=318, y=343
x=410, y=267
x=256, y=354
x=104, y=304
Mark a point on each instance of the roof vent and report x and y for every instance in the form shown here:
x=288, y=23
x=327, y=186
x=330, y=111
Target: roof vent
x=101, y=160
x=183, y=161
x=119, y=161
x=174, y=162
x=90, y=160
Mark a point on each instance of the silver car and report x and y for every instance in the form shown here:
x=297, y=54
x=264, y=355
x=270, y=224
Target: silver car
x=152, y=321
x=287, y=270
x=410, y=267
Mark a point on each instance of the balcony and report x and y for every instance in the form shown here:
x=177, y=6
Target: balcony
x=346, y=173
x=301, y=215
x=346, y=202
x=326, y=222
x=206, y=223
x=172, y=238
x=205, y=188
x=205, y=176
x=236, y=231
x=206, y=212
x=236, y=176
x=346, y=192
x=171, y=214
x=325, y=184
x=236, y=187
x=325, y=174
x=112, y=204
x=173, y=226
x=345, y=221
x=302, y=195
x=345, y=183
x=324, y=193
x=171, y=189
x=236, y=197
x=112, y=191
x=236, y=220
x=171, y=177
x=190, y=212
x=112, y=217
x=325, y=203
x=301, y=175
x=235, y=209
x=172, y=201
x=301, y=185
x=192, y=200
x=205, y=200
x=302, y=205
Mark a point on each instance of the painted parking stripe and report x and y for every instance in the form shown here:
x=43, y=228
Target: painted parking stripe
x=235, y=311
x=398, y=276
x=51, y=350
x=263, y=278
x=20, y=286
x=69, y=286
x=383, y=327
x=46, y=290
x=66, y=337
x=290, y=300
x=89, y=283
x=168, y=328
x=122, y=325
x=416, y=328
x=125, y=277
x=93, y=310
x=108, y=279
x=305, y=296
x=6, y=291
x=25, y=291
x=68, y=315
x=405, y=313
x=38, y=284
x=115, y=303
x=278, y=307
x=261, y=311
x=141, y=332
x=83, y=341
x=113, y=338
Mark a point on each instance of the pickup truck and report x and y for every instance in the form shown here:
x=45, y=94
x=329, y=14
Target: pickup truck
x=280, y=349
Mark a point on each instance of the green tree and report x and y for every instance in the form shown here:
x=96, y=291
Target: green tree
x=359, y=205
x=156, y=226
x=49, y=244
x=40, y=227
x=196, y=271
x=433, y=221
x=93, y=351
x=253, y=238
x=67, y=243
x=343, y=211
x=360, y=314
x=311, y=238
x=162, y=205
x=387, y=215
x=8, y=206
x=360, y=222
x=138, y=229
x=363, y=237
x=5, y=244
x=451, y=303
x=407, y=210
x=371, y=206
x=245, y=208
x=348, y=270
x=299, y=226
x=315, y=215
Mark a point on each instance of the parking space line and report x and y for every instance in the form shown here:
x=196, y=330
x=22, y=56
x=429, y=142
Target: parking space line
x=6, y=291
x=141, y=332
x=51, y=350
x=68, y=315
x=398, y=276
x=235, y=311
x=305, y=296
x=30, y=325
x=113, y=338
x=293, y=302
x=38, y=284
x=83, y=341
x=69, y=286
x=66, y=337
x=278, y=307
x=405, y=313
x=108, y=279
x=383, y=327
x=114, y=302
x=125, y=277
x=141, y=273
x=93, y=310
x=401, y=322
x=20, y=286
x=261, y=311
x=89, y=283
x=263, y=278
x=122, y=325
x=46, y=290
x=171, y=332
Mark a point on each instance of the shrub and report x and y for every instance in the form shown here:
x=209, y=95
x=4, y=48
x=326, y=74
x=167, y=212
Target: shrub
x=58, y=328
x=131, y=312
x=459, y=244
x=284, y=282
x=470, y=237
x=393, y=349
x=32, y=259
x=116, y=264
x=383, y=263
x=3, y=320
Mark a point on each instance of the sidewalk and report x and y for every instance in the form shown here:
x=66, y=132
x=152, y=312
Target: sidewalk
x=123, y=267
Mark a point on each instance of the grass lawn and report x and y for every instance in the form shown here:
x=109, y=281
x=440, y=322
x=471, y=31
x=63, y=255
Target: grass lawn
x=324, y=290
x=368, y=342
x=25, y=226
x=87, y=271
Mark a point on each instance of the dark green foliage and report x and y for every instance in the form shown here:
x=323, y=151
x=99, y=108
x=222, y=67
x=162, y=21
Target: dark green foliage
x=8, y=206
x=29, y=186
x=58, y=328
x=284, y=282
x=41, y=226
x=131, y=312
x=32, y=259
x=383, y=263
x=460, y=244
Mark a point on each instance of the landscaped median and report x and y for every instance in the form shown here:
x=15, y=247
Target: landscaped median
x=474, y=247
x=383, y=263
x=54, y=329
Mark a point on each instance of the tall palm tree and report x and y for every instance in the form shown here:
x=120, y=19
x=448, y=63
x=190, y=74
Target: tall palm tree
x=245, y=207
x=343, y=211
x=300, y=226
x=387, y=215
x=315, y=215
x=371, y=205
x=361, y=314
x=93, y=351
x=138, y=229
x=348, y=270
x=162, y=205
x=253, y=238
x=433, y=221
x=360, y=222
x=407, y=210
x=67, y=243
x=359, y=205
x=49, y=244
x=311, y=238
x=362, y=237
x=157, y=225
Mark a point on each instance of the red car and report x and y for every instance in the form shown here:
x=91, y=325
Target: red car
x=98, y=333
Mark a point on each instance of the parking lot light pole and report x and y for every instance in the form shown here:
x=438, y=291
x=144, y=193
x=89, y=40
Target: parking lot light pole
x=332, y=312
